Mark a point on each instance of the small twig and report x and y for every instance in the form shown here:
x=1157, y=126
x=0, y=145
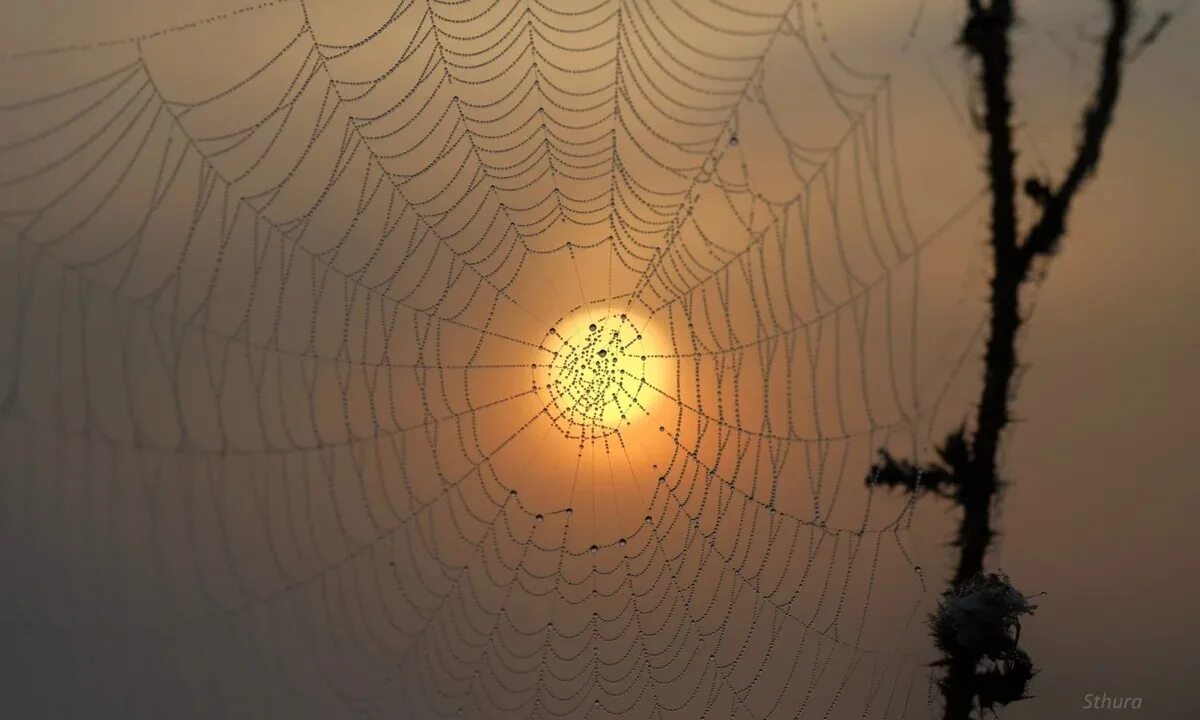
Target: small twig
x=1043, y=237
x=1151, y=36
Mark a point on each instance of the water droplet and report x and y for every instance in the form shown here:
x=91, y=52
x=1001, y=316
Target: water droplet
x=593, y=549
x=569, y=511
x=648, y=520
x=621, y=542
x=539, y=518
x=604, y=352
x=553, y=331
x=592, y=327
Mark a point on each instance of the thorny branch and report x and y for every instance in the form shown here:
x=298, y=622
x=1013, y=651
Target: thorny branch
x=999, y=673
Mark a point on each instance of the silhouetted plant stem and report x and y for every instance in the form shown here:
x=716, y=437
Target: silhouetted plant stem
x=958, y=691
x=986, y=35
x=977, y=624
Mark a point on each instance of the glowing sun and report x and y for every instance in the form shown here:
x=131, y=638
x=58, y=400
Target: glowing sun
x=603, y=372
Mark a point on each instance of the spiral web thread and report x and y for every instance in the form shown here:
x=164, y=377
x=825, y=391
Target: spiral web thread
x=268, y=353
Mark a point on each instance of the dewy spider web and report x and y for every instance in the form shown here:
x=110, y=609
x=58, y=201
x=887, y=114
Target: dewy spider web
x=296, y=421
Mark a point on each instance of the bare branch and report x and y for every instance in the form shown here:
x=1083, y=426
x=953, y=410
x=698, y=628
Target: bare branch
x=1044, y=236
x=968, y=471
x=1151, y=36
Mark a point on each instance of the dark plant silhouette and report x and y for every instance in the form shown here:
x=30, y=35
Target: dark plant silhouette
x=977, y=625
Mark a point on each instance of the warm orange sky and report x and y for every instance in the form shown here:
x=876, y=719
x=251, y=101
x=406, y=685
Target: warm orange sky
x=311, y=438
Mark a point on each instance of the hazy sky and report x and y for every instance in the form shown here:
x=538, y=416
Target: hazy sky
x=301, y=408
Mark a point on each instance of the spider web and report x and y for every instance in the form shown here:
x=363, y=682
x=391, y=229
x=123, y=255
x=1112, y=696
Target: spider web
x=294, y=422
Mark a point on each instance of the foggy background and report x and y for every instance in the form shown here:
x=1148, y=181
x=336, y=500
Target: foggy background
x=176, y=529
